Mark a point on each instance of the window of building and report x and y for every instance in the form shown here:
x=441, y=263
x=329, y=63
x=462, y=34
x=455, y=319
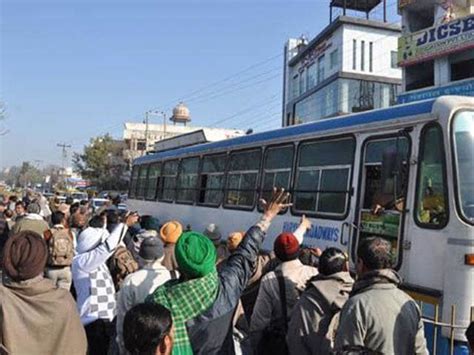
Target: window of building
x=276, y=169
x=142, y=175
x=211, y=182
x=323, y=177
x=419, y=76
x=141, y=145
x=462, y=65
x=154, y=173
x=371, y=56
x=187, y=180
x=168, y=180
x=419, y=19
x=362, y=94
x=321, y=68
x=242, y=178
x=334, y=59
x=133, y=181
x=362, y=55
x=302, y=83
x=295, y=86
x=354, y=54
x=311, y=76
x=323, y=103
x=431, y=203
x=394, y=59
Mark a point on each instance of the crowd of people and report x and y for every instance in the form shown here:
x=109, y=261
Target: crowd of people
x=114, y=282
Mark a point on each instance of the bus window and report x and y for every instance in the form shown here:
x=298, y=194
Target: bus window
x=276, y=169
x=168, y=180
x=154, y=173
x=133, y=181
x=323, y=177
x=242, y=178
x=211, y=183
x=431, y=202
x=463, y=131
x=187, y=180
x=141, y=186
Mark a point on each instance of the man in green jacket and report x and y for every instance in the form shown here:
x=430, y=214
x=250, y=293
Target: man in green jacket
x=378, y=315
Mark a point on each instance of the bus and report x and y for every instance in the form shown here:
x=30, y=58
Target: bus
x=404, y=173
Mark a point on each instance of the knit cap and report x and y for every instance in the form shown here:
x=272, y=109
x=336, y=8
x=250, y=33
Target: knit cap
x=171, y=231
x=213, y=233
x=195, y=254
x=286, y=247
x=151, y=249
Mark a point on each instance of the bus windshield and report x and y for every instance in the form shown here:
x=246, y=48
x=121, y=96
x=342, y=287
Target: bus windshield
x=463, y=131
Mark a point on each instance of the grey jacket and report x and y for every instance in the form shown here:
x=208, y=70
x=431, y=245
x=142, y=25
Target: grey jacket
x=323, y=298
x=381, y=317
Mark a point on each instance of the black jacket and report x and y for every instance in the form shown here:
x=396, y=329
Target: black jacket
x=211, y=332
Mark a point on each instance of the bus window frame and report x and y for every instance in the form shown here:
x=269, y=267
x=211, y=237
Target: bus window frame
x=350, y=191
x=292, y=170
x=362, y=153
x=138, y=187
x=195, y=188
x=157, y=181
x=421, y=152
x=224, y=176
x=132, y=192
x=161, y=188
x=257, y=182
x=457, y=192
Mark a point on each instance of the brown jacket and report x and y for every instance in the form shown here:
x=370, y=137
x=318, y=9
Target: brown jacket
x=30, y=223
x=38, y=318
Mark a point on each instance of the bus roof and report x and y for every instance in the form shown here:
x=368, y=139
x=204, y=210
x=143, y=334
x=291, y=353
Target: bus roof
x=367, y=117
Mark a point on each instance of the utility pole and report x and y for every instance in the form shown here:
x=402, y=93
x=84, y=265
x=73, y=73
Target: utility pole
x=146, y=130
x=64, y=148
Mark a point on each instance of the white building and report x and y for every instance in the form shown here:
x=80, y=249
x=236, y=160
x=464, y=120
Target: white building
x=350, y=66
x=436, y=49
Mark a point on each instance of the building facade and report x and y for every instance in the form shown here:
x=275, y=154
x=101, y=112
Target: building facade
x=351, y=66
x=436, y=49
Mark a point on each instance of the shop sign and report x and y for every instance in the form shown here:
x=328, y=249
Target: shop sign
x=466, y=88
x=436, y=41
x=386, y=224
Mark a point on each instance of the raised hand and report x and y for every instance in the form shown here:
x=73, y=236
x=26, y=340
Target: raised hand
x=277, y=203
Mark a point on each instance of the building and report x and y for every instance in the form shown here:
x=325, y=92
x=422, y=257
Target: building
x=351, y=66
x=436, y=49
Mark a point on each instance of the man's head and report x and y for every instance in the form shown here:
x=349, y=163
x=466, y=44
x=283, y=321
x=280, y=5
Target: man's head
x=286, y=247
x=113, y=218
x=20, y=208
x=34, y=208
x=69, y=200
x=13, y=198
x=58, y=218
x=24, y=256
x=97, y=222
x=196, y=255
x=151, y=249
x=332, y=261
x=171, y=231
x=148, y=222
x=79, y=219
x=214, y=234
x=374, y=253
x=148, y=330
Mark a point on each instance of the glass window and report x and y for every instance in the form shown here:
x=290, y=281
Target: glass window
x=394, y=59
x=302, y=83
x=321, y=69
x=141, y=188
x=463, y=136
x=334, y=59
x=168, y=180
x=276, y=169
x=211, y=183
x=133, y=181
x=294, y=87
x=154, y=173
x=362, y=55
x=323, y=176
x=311, y=76
x=371, y=56
x=354, y=54
x=187, y=180
x=242, y=178
x=431, y=203
x=323, y=103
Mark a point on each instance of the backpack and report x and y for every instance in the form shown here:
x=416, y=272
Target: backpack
x=121, y=264
x=60, y=247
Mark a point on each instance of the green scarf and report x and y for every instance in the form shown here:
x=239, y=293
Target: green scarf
x=186, y=301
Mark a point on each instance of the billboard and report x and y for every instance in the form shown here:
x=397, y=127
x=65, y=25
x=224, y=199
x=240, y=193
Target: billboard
x=436, y=41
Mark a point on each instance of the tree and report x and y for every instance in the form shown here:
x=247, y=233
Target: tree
x=102, y=163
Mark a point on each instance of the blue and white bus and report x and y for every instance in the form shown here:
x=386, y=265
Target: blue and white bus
x=405, y=173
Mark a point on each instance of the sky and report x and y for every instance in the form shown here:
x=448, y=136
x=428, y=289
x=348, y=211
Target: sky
x=74, y=69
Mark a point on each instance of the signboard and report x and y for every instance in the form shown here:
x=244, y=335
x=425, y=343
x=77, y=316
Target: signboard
x=436, y=41
x=386, y=224
x=466, y=88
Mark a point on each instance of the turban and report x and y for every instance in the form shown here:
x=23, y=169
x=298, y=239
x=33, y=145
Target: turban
x=24, y=256
x=195, y=254
x=171, y=231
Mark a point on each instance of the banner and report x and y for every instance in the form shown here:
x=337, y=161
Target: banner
x=465, y=88
x=386, y=224
x=436, y=41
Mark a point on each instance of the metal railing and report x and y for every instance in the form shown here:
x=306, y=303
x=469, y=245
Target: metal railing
x=438, y=325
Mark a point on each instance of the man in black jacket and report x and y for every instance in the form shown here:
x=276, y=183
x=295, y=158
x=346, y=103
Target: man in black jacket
x=211, y=332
